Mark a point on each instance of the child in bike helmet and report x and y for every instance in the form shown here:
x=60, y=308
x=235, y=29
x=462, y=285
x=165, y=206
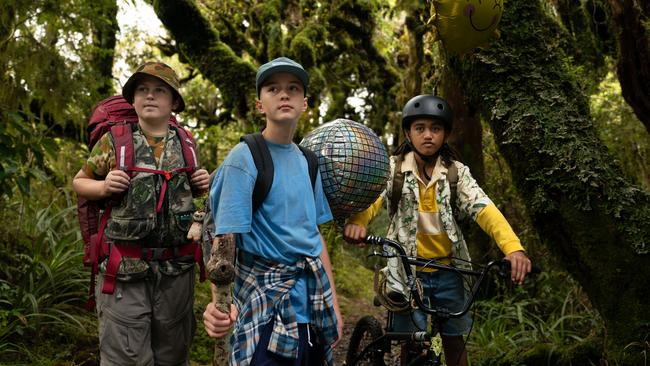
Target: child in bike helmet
x=422, y=219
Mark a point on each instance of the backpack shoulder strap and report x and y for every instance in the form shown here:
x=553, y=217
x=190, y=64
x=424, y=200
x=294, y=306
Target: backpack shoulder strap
x=264, y=165
x=452, y=177
x=122, y=135
x=188, y=146
x=312, y=164
x=398, y=183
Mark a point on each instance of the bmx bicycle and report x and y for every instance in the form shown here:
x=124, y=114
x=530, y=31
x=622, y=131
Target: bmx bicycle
x=370, y=342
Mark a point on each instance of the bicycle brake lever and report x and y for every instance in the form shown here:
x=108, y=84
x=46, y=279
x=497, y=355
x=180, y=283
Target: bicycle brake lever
x=381, y=254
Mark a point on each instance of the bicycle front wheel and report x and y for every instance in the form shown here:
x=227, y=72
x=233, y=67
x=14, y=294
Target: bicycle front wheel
x=367, y=345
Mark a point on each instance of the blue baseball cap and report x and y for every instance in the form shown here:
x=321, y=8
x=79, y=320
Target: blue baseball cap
x=281, y=64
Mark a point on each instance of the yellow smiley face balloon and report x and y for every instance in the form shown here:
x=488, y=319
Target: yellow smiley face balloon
x=463, y=25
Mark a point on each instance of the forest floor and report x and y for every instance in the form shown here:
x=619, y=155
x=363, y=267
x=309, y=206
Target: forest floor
x=352, y=311
x=85, y=351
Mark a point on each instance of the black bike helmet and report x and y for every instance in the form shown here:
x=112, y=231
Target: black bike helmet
x=430, y=106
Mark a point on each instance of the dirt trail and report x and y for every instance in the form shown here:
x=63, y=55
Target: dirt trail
x=353, y=310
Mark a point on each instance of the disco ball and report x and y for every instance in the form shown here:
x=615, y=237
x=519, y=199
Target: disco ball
x=353, y=165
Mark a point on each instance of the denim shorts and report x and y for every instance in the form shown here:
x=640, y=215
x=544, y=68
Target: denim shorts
x=440, y=289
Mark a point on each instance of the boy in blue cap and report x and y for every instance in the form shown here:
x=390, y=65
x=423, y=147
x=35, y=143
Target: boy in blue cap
x=285, y=309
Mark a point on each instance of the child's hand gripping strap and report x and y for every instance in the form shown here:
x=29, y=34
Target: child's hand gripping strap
x=125, y=156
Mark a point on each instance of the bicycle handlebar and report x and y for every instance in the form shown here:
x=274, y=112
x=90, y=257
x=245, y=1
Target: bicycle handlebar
x=502, y=264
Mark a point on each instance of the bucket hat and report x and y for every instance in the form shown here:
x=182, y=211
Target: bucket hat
x=159, y=70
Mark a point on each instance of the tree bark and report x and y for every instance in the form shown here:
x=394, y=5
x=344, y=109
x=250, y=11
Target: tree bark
x=467, y=140
x=585, y=211
x=634, y=55
x=104, y=28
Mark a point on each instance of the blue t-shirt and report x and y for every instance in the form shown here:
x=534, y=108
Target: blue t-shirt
x=285, y=227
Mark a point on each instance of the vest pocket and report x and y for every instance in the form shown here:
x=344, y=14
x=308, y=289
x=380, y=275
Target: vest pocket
x=119, y=228
x=183, y=221
x=179, y=227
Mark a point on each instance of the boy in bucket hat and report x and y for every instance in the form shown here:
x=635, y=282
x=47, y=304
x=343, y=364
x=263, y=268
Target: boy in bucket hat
x=160, y=71
x=285, y=309
x=146, y=263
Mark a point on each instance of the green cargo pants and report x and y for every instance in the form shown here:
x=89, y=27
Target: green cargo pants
x=147, y=322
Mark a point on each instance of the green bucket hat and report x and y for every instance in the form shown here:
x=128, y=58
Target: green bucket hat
x=281, y=64
x=160, y=71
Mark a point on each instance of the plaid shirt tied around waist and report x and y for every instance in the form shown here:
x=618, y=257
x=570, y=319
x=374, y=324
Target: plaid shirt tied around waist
x=262, y=290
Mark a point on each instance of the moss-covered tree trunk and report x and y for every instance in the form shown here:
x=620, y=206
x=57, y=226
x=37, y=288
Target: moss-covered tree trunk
x=592, y=218
x=199, y=43
x=104, y=29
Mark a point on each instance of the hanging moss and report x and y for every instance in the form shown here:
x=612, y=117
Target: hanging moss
x=200, y=44
x=304, y=45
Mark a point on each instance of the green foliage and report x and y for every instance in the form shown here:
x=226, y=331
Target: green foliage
x=352, y=278
x=559, y=140
x=22, y=150
x=42, y=280
x=546, y=320
x=350, y=48
x=577, y=196
x=48, y=82
x=202, y=345
x=335, y=41
x=503, y=192
x=620, y=130
x=215, y=142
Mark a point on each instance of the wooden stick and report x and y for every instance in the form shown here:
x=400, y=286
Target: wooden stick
x=221, y=271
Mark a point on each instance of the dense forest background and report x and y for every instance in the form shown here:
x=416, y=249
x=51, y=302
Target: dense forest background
x=553, y=118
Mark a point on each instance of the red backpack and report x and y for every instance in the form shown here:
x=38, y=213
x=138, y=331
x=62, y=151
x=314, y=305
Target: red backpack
x=116, y=116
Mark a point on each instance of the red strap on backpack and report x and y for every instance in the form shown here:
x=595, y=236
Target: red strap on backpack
x=188, y=146
x=124, y=152
x=125, y=156
x=97, y=244
x=117, y=252
x=166, y=174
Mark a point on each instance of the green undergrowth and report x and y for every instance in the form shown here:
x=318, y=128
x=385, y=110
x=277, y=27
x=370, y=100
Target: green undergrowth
x=549, y=320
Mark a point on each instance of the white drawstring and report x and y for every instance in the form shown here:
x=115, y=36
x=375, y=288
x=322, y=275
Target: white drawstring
x=309, y=337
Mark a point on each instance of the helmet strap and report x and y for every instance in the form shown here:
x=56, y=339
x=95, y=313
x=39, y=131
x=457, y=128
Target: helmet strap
x=428, y=159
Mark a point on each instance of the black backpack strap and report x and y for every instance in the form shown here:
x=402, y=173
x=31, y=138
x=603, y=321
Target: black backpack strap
x=398, y=183
x=312, y=164
x=264, y=165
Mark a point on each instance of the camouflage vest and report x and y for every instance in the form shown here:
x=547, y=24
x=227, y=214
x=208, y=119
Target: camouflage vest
x=134, y=219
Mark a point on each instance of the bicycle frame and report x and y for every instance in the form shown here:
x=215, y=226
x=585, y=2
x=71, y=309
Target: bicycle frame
x=428, y=263
x=379, y=343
